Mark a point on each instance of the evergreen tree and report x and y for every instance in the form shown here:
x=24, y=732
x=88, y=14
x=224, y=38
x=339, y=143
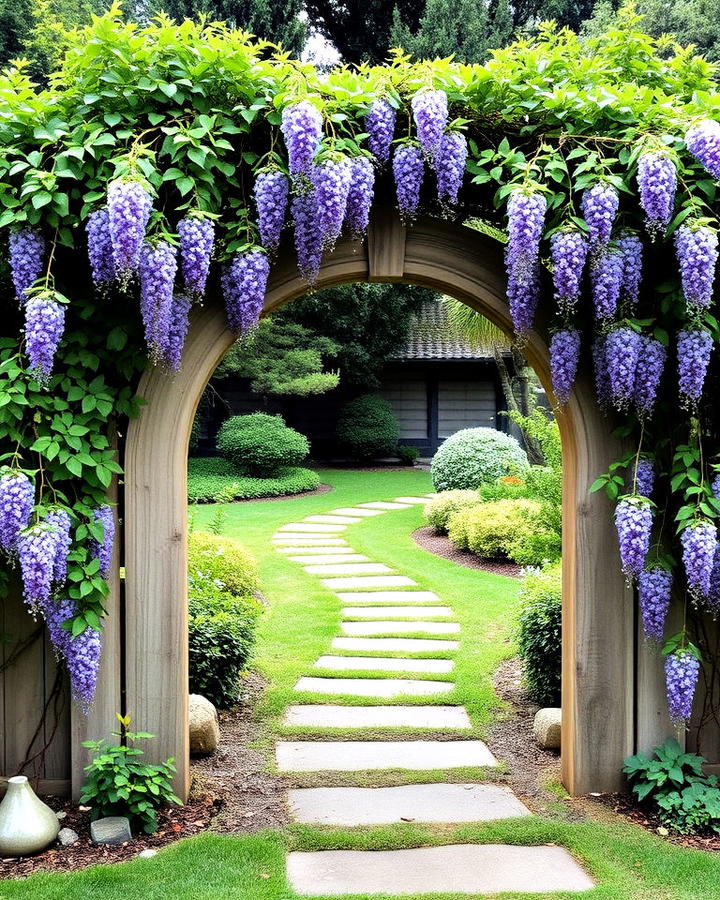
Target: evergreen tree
x=501, y=32
x=458, y=29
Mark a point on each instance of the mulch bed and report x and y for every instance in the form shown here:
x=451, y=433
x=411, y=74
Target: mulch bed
x=440, y=545
x=625, y=806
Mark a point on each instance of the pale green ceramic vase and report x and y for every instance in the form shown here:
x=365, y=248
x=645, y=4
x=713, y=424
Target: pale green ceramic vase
x=27, y=825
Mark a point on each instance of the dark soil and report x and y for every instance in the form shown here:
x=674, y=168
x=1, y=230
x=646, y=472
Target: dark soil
x=440, y=545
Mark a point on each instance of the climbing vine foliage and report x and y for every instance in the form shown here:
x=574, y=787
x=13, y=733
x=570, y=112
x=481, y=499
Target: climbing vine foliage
x=168, y=163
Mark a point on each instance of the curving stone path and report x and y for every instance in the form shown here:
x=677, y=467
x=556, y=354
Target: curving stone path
x=385, y=611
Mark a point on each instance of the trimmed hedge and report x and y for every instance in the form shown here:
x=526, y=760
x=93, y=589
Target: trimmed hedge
x=260, y=445
x=493, y=529
x=224, y=561
x=475, y=456
x=438, y=511
x=215, y=480
x=539, y=634
x=367, y=428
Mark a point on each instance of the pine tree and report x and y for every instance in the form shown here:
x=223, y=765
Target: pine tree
x=501, y=32
x=458, y=29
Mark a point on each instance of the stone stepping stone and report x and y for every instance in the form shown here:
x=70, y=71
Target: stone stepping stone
x=410, y=500
x=356, y=511
x=384, y=504
x=322, y=559
x=325, y=716
x=391, y=664
x=367, y=629
x=334, y=520
x=309, y=527
x=390, y=597
x=370, y=568
x=368, y=581
x=394, y=645
x=451, y=803
x=351, y=756
x=379, y=612
x=307, y=538
x=478, y=869
x=322, y=549
x=374, y=687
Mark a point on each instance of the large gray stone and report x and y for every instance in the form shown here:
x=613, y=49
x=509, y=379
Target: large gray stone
x=393, y=645
x=455, y=869
x=350, y=756
x=374, y=687
x=387, y=612
x=368, y=581
x=389, y=597
x=204, y=726
x=368, y=629
x=546, y=728
x=412, y=803
x=110, y=830
x=388, y=664
x=326, y=716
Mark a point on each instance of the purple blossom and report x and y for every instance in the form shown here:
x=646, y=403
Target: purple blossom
x=158, y=266
x=27, y=253
x=703, y=141
x=380, y=127
x=82, y=656
x=698, y=545
x=633, y=520
x=602, y=373
x=696, y=247
x=715, y=487
x=36, y=552
x=360, y=197
x=302, y=129
x=103, y=550
x=197, y=239
x=308, y=238
x=430, y=112
x=244, y=282
x=568, y=249
x=564, y=354
x=526, y=217
x=657, y=180
x=60, y=520
x=606, y=277
x=450, y=167
x=44, y=328
x=17, y=495
x=682, y=669
x=523, y=296
x=332, y=186
x=712, y=600
x=408, y=171
x=129, y=206
x=642, y=477
x=654, y=589
x=694, y=346
x=599, y=207
x=100, y=251
x=622, y=351
x=631, y=254
x=648, y=373
x=179, y=322
x=271, y=200
x=56, y=613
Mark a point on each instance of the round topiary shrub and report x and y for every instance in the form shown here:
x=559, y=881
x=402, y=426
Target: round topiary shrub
x=260, y=444
x=438, y=511
x=475, y=456
x=367, y=428
x=224, y=561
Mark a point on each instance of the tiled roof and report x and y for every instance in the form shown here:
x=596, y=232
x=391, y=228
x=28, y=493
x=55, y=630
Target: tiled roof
x=432, y=338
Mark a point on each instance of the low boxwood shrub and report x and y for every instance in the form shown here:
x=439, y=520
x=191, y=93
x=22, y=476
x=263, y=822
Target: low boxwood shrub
x=261, y=445
x=367, y=428
x=539, y=634
x=495, y=529
x=438, y=511
x=408, y=455
x=213, y=480
x=223, y=561
x=475, y=456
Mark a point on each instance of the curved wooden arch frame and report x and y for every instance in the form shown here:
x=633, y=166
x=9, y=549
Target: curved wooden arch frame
x=612, y=688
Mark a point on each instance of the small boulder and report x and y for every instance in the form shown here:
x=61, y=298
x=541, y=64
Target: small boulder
x=204, y=726
x=67, y=836
x=110, y=830
x=546, y=728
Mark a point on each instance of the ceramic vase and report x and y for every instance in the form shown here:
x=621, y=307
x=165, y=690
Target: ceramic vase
x=27, y=825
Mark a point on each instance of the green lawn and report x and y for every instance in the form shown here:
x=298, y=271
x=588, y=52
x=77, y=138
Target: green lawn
x=301, y=619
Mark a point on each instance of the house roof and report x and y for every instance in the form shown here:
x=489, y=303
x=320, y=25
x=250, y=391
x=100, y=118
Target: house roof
x=432, y=338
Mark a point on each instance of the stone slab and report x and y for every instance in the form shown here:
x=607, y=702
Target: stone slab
x=334, y=520
x=312, y=527
x=372, y=612
x=356, y=511
x=367, y=629
x=384, y=504
x=369, y=568
x=479, y=869
x=378, y=664
x=320, y=550
x=410, y=500
x=310, y=540
x=368, y=581
x=394, y=645
x=350, y=756
x=312, y=715
x=110, y=830
x=451, y=803
x=390, y=597
x=374, y=687
x=321, y=559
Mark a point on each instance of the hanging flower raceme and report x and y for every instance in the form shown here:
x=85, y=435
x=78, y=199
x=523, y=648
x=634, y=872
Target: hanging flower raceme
x=622, y=352
x=82, y=656
x=331, y=178
x=526, y=216
x=408, y=171
x=56, y=613
x=568, y=250
x=682, y=669
x=244, y=282
x=599, y=207
x=642, y=477
x=657, y=181
x=650, y=366
x=179, y=323
x=703, y=141
x=129, y=206
x=694, y=346
x=450, y=167
x=696, y=247
x=102, y=550
x=564, y=355
x=606, y=278
x=602, y=374
x=430, y=112
x=158, y=267
x=100, y=251
x=523, y=297
x=44, y=328
x=60, y=520
x=380, y=127
x=633, y=520
x=631, y=253
x=360, y=196
x=654, y=590
x=271, y=200
x=17, y=495
x=698, y=542
x=302, y=129
x=36, y=552
x=308, y=237
x=27, y=254
x=197, y=239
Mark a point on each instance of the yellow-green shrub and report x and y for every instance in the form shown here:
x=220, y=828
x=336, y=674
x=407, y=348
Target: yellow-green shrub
x=439, y=509
x=223, y=560
x=493, y=529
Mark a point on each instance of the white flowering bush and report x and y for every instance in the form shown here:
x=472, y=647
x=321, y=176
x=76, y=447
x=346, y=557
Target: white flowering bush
x=476, y=456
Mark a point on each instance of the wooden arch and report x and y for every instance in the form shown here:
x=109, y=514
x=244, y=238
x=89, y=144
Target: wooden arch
x=612, y=691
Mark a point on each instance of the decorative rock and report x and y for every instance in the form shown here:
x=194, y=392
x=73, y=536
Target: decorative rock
x=204, y=726
x=148, y=853
x=110, y=830
x=61, y=814
x=546, y=728
x=67, y=837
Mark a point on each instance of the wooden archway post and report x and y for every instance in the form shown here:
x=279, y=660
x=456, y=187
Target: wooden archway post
x=605, y=671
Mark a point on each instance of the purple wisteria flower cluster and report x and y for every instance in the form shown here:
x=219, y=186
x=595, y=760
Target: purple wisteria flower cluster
x=600, y=367
x=642, y=477
x=380, y=127
x=409, y=172
x=100, y=250
x=633, y=521
x=60, y=520
x=564, y=356
x=308, y=239
x=630, y=249
x=17, y=497
x=271, y=201
x=44, y=328
x=360, y=196
x=682, y=669
x=158, y=266
x=450, y=167
x=649, y=370
x=430, y=112
x=694, y=346
x=699, y=541
x=696, y=247
x=197, y=239
x=36, y=548
x=622, y=353
x=600, y=205
x=657, y=181
x=526, y=216
x=654, y=591
x=331, y=179
x=703, y=141
x=606, y=280
x=302, y=129
x=244, y=281
x=129, y=206
x=27, y=254
x=568, y=250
